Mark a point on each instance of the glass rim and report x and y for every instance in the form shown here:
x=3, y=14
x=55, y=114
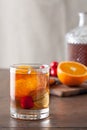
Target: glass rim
x=36, y=65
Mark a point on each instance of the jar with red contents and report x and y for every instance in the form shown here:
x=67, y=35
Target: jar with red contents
x=76, y=41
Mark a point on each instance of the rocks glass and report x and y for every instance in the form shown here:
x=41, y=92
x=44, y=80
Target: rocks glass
x=29, y=91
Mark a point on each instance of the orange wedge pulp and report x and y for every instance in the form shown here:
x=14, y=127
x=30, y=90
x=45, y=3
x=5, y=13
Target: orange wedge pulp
x=24, y=69
x=71, y=73
x=25, y=82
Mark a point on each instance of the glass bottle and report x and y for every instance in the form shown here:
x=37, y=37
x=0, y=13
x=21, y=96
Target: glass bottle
x=76, y=41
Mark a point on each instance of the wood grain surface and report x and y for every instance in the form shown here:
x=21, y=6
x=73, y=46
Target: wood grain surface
x=61, y=90
x=65, y=113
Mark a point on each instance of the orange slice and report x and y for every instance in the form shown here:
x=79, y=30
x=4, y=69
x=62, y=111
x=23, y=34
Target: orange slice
x=25, y=81
x=71, y=73
x=25, y=69
x=28, y=79
x=43, y=101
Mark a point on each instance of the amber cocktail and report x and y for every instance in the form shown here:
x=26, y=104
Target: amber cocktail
x=29, y=91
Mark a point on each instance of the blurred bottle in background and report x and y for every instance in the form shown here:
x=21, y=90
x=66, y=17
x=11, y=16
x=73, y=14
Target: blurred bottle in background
x=76, y=41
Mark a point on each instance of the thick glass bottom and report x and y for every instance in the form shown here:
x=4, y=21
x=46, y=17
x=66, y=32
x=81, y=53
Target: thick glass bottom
x=29, y=114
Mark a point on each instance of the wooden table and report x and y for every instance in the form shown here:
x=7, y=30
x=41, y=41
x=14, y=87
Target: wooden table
x=65, y=113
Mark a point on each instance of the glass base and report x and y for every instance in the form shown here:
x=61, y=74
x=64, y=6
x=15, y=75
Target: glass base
x=30, y=114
